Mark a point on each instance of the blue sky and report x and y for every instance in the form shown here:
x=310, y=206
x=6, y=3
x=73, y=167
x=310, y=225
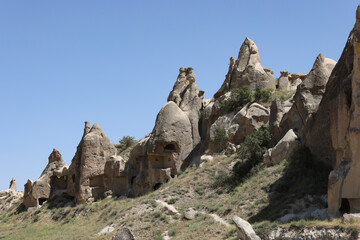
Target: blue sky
x=115, y=62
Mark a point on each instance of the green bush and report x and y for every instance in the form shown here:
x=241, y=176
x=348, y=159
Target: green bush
x=251, y=152
x=239, y=97
x=255, y=145
x=221, y=137
x=263, y=95
x=124, y=143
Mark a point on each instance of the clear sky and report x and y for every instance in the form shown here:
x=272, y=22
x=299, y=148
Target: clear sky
x=115, y=62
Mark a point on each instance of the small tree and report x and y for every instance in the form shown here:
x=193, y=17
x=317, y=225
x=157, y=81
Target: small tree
x=124, y=143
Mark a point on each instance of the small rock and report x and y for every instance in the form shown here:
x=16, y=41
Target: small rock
x=123, y=234
x=107, y=229
x=190, y=214
x=349, y=217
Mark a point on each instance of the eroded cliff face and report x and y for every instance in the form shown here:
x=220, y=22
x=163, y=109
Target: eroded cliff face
x=158, y=158
x=306, y=100
x=344, y=104
x=86, y=172
x=53, y=181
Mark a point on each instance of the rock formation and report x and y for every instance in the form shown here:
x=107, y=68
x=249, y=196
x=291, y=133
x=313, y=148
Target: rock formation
x=158, y=158
x=283, y=149
x=189, y=99
x=284, y=83
x=307, y=98
x=86, y=172
x=12, y=185
x=247, y=71
x=53, y=181
x=244, y=229
x=239, y=124
x=341, y=103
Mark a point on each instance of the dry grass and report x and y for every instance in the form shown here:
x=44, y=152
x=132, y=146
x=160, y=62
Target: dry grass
x=147, y=220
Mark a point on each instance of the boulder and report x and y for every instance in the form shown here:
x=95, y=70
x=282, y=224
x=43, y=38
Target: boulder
x=244, y=229
x=86, y=172
x=53, y=181
x=123, y=234
x=190, y=214
x=283, y=150
x=238, y=125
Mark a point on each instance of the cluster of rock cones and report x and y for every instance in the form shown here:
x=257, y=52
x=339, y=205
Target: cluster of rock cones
x=323, y=114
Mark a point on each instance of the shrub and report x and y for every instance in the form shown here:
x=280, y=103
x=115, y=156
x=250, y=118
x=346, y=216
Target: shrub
x=251, y=152
x=124, y=143
x=255, y=145
x=221, y=137
x=262, y=95
x=239, y=97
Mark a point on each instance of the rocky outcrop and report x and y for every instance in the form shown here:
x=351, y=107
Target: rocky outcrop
x=246, y=71
x=9, y=196
x=342, y=104
x=12, y=185
x=53, y=181
x=189, y=99
x=238, y=125
x=244, y=229
x=158, y=158
x=86, y=172
x=307, y=97
x=284, y=83
x=276, y=114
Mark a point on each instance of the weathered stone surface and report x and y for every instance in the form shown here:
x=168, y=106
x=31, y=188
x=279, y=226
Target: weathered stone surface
x=86, y=172
x=283, y=149
x=309, y=233
x=189, y=99
x=239, y=125
x=333, y=135
x=276, y=114
x=12, y=184
x=307, y=97
x=284, y=83
x=53, y=181
x=171, y=136
x=190, y=214
x=244, y=229
x=115, y=176
x=123, y=234
x=247, y=70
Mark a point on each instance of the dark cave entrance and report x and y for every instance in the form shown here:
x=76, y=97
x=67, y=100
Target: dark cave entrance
x=345, y=206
